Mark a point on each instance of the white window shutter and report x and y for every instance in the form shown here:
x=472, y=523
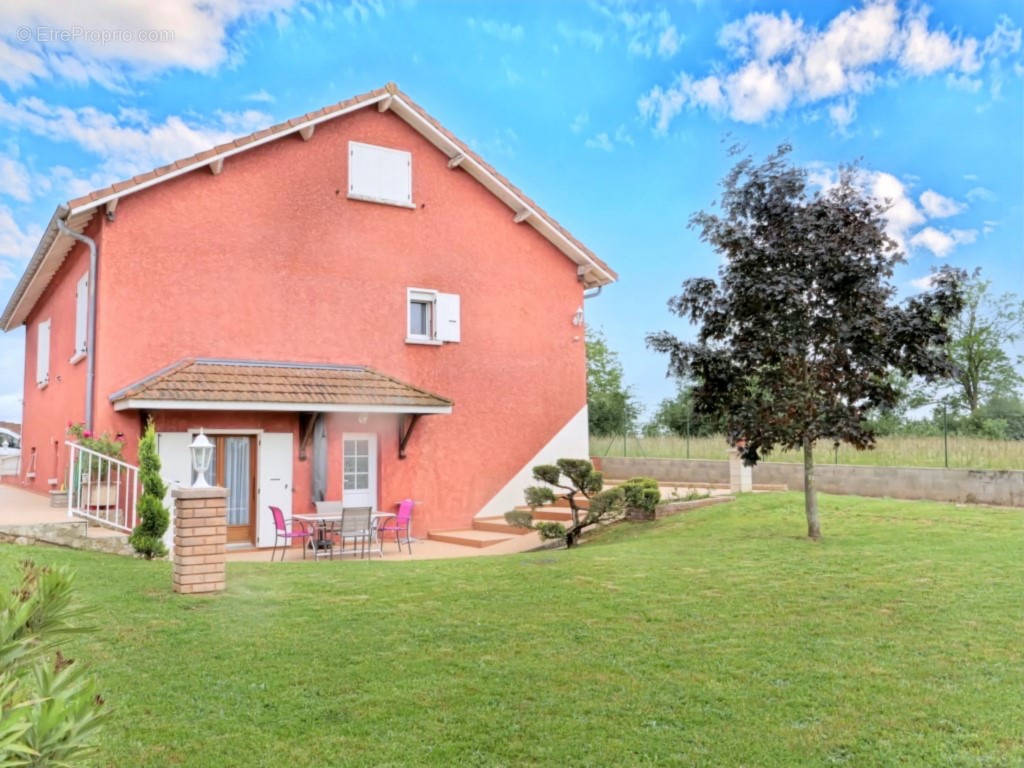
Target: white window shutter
x=81, y=313
x=43, y=353
x=379, y=174
x=449, y=322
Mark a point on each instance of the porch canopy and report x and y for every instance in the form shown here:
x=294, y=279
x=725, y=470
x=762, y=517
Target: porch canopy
x=306, y=388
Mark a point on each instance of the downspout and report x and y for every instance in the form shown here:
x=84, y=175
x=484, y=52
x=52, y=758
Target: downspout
x=90, y=332
x=595, y=294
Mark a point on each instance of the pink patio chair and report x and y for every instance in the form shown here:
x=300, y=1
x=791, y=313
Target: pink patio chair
x=400, y=525
x=281, y=534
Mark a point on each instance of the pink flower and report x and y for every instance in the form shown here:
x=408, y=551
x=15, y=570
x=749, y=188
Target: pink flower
x=71, y=423
x=87, y=433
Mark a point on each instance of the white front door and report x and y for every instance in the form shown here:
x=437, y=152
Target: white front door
x=275, y=483
x=359, y=470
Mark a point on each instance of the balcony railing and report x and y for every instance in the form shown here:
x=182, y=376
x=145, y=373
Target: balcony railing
x=102, y=489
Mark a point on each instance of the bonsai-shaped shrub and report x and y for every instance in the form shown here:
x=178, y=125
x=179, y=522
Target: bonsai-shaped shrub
x=147, y=538
x=641, y=496
x=580, y=479
x=88, y=469
x=50, y=711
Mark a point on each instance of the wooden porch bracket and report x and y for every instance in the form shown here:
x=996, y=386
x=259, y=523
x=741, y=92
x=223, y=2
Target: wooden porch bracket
x=405, y=431
x=307, y=422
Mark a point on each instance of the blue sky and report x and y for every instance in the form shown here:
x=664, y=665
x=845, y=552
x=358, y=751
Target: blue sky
x=613, y=115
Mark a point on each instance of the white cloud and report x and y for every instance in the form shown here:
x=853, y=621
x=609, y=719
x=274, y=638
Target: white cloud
x=926, y=51
x=261, y=96
x=583, y=36
x=623, y=136
x=842, y=113
x=601, y=141
x=779, y=62
x=1005, y=39
x=579, y=122
x=17, y=181
x=923, y=283
x=940, y=243
x=500, y=30
x=980, y=193
x=646, y=31
x=938, y=206
x=988, y=227
x=130, y=142
x=16, y=243
x=110, y=41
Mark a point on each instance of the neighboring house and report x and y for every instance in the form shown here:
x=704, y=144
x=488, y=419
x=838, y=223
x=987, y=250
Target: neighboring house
x=10, y=434
x=353, y=305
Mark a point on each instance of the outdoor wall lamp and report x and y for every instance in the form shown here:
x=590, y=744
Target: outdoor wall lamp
x=577, y=318
x=202, y=453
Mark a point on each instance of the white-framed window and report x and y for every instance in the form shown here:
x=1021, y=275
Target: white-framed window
x=379, y=174
x=81, y=318
x=43, y=353
x=432, y=317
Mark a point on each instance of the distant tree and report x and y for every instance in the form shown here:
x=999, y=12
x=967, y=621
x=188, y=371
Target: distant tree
x=611, y=405
x=798, y=339
x=147, y=538
x=676, y=416
x=982, y=332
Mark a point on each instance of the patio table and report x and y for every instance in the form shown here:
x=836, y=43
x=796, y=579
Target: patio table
x=320, y=521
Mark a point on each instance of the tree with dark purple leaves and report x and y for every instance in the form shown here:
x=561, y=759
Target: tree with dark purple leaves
x=801, y=335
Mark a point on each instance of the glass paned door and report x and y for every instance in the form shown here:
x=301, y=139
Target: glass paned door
x=359, y=470
x=233, y=466
x=237, y=471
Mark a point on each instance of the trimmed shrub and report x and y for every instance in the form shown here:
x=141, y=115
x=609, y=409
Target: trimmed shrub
x=153, y=517
x=641, y=497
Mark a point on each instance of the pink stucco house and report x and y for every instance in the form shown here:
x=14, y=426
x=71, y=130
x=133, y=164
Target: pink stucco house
x=353, y=304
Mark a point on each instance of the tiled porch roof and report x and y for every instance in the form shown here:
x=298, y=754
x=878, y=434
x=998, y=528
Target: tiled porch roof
x=238, y=385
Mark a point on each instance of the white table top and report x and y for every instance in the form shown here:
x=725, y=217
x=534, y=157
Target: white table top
x=333, y=517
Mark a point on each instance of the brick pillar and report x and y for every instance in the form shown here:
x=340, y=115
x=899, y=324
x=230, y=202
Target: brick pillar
x=200, y=535
x=741, y=477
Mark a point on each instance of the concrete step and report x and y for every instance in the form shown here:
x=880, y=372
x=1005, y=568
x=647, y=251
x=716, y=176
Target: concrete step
x=71, y=535
x=468, y=537
x=497, y=525
x=581, y=502
x=554, y=514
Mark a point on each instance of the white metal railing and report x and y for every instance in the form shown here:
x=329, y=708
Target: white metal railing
x=101, y=488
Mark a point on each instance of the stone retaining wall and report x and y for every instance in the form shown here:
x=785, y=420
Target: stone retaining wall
x=967, y=486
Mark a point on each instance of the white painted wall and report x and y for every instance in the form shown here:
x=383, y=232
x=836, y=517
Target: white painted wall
x=570, y=442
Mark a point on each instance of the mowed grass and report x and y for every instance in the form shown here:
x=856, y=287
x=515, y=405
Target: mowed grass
x=964, y=452
x=717, y=638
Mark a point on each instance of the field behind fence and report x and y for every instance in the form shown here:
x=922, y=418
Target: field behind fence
x=964, y=452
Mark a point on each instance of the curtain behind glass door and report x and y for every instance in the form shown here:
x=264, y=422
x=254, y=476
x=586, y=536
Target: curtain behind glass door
x=236, y=478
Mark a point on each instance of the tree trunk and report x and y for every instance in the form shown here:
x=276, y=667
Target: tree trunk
x=810, y=493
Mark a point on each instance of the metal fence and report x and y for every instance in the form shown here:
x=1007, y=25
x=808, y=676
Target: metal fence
x=102, y=489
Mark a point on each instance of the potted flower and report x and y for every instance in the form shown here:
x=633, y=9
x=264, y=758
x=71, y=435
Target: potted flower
x=91, y=473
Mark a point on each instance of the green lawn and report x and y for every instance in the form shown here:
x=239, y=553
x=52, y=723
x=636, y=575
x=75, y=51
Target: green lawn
x=717, y=638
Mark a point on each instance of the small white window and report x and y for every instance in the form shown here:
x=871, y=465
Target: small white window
x=81, y=318
x=379, y=174
x=432, y=317
x=43, y=353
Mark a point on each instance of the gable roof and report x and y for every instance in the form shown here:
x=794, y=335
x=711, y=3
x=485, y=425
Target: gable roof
x=76, y=214
x=249, y=385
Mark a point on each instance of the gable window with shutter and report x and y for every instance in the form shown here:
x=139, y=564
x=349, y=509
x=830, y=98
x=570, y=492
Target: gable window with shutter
x=43, y=353
x=81, y=318
x=432, y=317
x=379, y=175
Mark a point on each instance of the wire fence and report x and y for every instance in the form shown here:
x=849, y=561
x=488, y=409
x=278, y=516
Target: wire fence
x=953, y=451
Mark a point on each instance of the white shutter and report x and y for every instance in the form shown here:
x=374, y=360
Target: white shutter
x=449, y=324
x=43, y=353
x=175, y=469
x=275, y=483
x=379, y=174
x=81, y=313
